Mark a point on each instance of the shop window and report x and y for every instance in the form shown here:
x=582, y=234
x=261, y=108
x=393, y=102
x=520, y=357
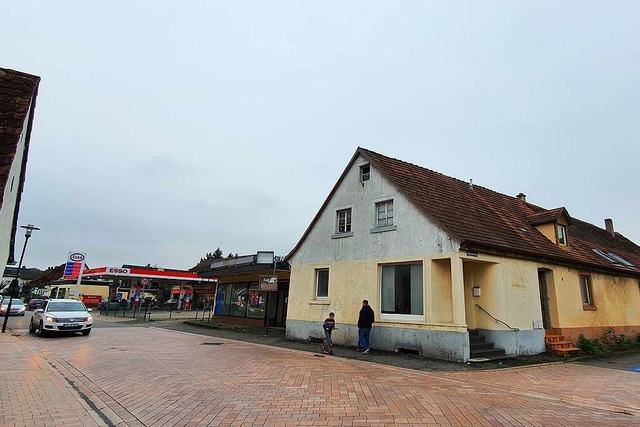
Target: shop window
x=223, y=302
x=402, y=289
x=257, y=303
x=239, y=301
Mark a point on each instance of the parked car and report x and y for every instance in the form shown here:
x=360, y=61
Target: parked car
x=17, y=307
x=34, y=303
x=61, y=315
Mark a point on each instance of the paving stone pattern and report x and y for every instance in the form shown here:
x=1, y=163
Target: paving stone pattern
x=154, y=377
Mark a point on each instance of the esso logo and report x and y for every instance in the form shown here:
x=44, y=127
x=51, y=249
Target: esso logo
x=77, y=257
x=118, y=270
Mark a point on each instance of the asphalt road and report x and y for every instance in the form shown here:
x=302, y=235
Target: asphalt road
x=21, y=323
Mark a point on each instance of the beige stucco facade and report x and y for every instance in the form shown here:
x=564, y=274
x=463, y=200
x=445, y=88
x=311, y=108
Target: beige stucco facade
x=616, y=303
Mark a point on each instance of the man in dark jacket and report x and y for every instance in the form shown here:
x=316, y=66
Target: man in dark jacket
x=365, y=322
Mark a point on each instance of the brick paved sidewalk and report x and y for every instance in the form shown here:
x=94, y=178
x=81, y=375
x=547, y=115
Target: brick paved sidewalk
x=154, y=377
x=37, y=392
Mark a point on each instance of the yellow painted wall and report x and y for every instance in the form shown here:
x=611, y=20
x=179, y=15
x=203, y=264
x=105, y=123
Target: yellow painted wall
x=509, y=291
x=548, y=230
x=94, y=290
x=617, y=300
x=441, y=291
x=351, y=282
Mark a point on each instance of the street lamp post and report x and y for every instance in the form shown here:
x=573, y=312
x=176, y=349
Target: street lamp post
x=28, y=230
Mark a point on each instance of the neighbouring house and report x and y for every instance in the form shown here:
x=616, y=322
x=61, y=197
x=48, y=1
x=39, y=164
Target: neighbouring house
x=26, y=276
x=446, y=265
x=18, y=92
x=252, y=290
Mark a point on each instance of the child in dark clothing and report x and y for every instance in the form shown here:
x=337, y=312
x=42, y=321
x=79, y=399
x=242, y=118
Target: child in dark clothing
x=328, y=326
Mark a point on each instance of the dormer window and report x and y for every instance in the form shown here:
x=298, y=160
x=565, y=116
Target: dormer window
x=561, y=232
x=365, y=173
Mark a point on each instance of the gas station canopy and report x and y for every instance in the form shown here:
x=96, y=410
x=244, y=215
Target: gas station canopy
x=141, y=273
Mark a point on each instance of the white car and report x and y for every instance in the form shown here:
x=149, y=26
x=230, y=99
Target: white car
x=61, y=315
x=17, y=307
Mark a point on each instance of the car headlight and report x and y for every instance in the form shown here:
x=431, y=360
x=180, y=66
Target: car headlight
x=89, y=318
x=52, y=319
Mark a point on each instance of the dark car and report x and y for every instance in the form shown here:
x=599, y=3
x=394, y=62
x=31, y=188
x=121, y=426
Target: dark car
x=34, y=303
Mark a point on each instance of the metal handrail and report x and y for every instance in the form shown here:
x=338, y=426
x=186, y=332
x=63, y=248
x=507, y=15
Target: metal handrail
x=497, y=320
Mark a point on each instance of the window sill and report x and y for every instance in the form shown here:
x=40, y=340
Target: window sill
x=342, y=235
x=319, y=302
x=589, y=307
x=383, y=229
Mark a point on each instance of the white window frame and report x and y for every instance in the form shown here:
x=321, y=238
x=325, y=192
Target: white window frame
x=317, y=283
x=348, y=216
x=412, y=318
x=389, y=221
x=365, y=176
x=586, y=285
x=561, y=233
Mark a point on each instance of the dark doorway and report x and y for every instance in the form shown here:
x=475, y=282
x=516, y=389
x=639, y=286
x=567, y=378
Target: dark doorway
x=544, y=297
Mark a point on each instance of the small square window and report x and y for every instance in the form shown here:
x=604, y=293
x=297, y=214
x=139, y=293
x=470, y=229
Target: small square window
x=384, y=214
x=562, y=234
x=365, y=173
x=586, y=291
x=343, y=223
x=322, y=283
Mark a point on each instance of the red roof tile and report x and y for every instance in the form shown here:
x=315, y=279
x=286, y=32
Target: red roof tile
x=483, y=219
x=18, y=93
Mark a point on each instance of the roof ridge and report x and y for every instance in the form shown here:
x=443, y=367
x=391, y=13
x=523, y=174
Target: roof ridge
x=473, y=185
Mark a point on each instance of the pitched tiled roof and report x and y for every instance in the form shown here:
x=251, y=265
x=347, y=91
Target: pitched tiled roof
x=17, y=98
x=483, y=219
x=546, y=217
x=51, y=274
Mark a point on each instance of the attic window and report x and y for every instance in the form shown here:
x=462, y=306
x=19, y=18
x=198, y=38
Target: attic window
x=365, y=173
x=613, y=258
x=561, y=231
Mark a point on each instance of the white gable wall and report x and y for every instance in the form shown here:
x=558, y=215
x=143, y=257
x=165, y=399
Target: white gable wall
x=10, y=196
x=415, y=235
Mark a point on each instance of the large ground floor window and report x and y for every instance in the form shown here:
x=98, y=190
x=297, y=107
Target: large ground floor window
x=402, y=289
x=242, y=300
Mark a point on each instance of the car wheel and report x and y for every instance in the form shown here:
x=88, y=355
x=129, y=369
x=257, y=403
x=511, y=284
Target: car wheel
x=22, y=315
x=41, y=331
x=86, y=332
x=32, y=329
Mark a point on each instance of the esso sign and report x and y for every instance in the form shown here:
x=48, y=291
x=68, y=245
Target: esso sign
x=77, y=257
x=118, y=270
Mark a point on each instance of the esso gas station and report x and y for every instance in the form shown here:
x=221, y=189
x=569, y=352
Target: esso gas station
x=137, y=283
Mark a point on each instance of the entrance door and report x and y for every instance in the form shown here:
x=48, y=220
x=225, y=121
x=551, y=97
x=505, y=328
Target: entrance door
x=281, y=315
x=544, y=297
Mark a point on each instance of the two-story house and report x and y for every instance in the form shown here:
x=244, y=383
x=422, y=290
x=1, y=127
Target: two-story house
x=438, y=258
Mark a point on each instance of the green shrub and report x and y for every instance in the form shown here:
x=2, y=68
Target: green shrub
x=625, y=342
x=594, y=347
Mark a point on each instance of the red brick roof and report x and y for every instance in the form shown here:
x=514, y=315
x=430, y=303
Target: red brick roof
x=18, y=93
x=546, y=217
x=485, y=220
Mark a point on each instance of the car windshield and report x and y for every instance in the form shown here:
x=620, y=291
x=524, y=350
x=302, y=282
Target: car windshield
x=13, y=302
x=66, y=306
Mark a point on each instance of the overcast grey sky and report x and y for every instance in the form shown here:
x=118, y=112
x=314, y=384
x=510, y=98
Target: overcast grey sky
x=166, y=129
